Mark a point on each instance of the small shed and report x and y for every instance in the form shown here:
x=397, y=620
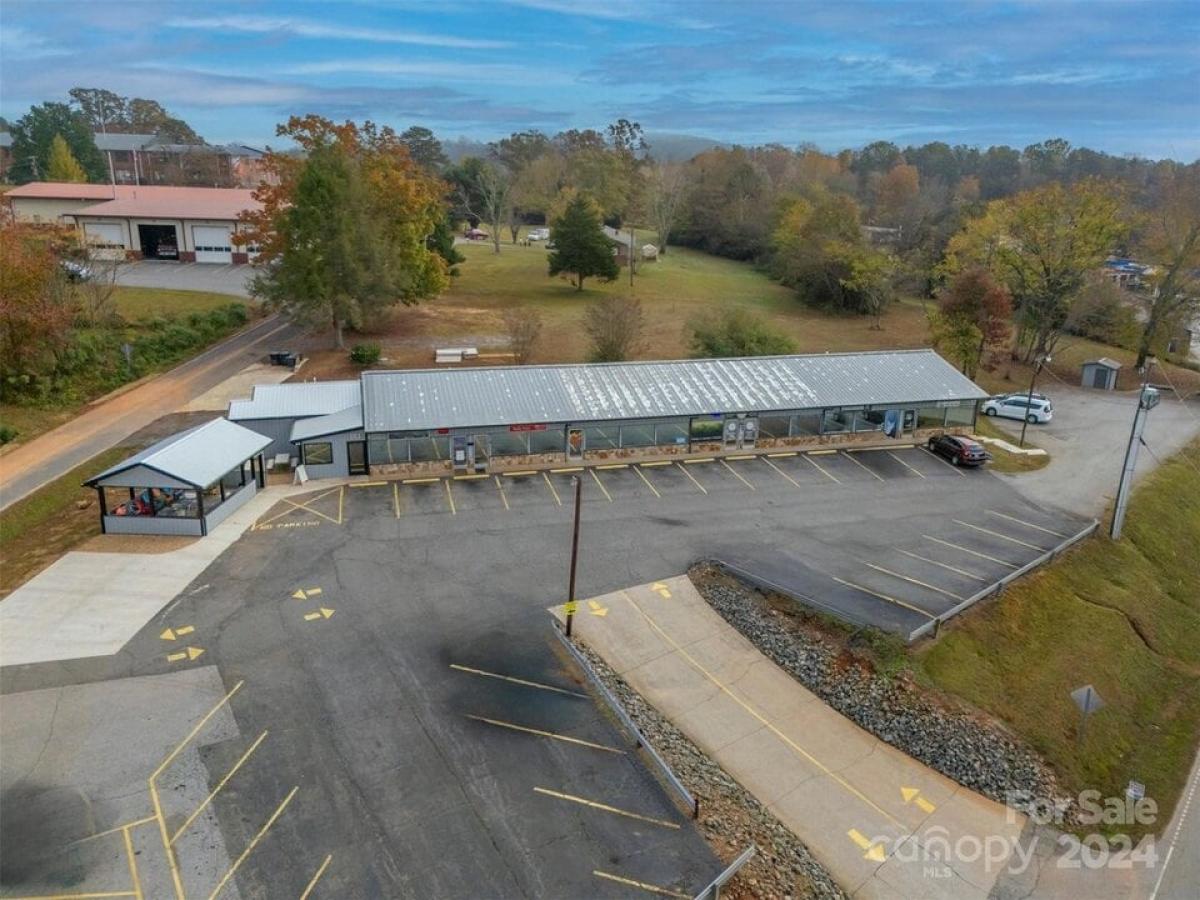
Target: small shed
x=1100, y=373
x=186, y=484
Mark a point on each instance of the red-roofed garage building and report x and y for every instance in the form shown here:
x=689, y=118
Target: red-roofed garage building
x=186, y=224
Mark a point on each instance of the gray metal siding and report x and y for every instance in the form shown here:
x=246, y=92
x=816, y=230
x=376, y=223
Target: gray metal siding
x=278, y=430
x=150, y=525
x=341, y=460
x=141, y=476
x=231, y=505
x=480, y=397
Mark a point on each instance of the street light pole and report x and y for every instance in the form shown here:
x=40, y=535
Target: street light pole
x=1147, y=400
x=571, y=601
x=1041, y=361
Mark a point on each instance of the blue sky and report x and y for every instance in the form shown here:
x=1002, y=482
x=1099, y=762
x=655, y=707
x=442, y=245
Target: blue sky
x=1117, y=76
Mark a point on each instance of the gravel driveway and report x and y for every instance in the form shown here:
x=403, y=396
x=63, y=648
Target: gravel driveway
x=1086, y=440
x=220, y=279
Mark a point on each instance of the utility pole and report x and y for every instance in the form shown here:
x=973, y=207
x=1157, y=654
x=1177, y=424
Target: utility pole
x=631, y=257
x=1147, y=400
x=1041, y=361
x=571, y=601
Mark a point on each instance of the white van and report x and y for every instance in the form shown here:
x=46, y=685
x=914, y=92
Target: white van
x=1036, y=411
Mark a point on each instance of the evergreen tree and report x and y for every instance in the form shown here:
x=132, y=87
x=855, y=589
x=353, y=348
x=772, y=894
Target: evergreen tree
x=34, y=132
x=62, y=165
x=581, y=248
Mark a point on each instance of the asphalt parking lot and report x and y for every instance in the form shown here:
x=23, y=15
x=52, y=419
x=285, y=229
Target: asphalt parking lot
x=423, y=736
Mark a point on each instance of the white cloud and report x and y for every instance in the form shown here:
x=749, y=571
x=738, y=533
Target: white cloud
x=478, y=73
x=18, y=42
x=309, y=29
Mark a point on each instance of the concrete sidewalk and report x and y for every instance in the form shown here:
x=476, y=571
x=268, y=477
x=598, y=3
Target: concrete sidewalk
x=91, y=604
x=883, y=824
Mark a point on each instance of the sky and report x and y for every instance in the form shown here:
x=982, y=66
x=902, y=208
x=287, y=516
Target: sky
x=1123, y=77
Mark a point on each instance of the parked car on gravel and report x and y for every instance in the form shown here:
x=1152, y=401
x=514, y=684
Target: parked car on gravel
x=958, y=450
x=539, y=234
x=1036, y=411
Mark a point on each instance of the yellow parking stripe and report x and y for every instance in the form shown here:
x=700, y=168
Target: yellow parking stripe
x=133, y=869
x=568, y=469
x=604, y=807
x=317, y=877
x=600, y=484
x=613, y=466
x=820, y=468
x=522, y=473
x=1003, y=537
x=550, y=485
x=653, y=489
x=642, y=885
x=780, y=455
x=703, y=490
x=254, y=842
x=737, y=476
x=521, y=681
x=450, y=497
x=511, y=726
x=500, y=488
x=866, y=469
x=859, y=587
x=1002, y=562
x=657, y=462
x=741, y=456
x=903, y=463
x=703, y=459
x=780, y=471
x=474, y=477
x=420, y=480
x=224, y=781
x=992, y=512
x=362, y=484
x=396, y=498
x=943, y=565
x=957, y=471
x=931, y=587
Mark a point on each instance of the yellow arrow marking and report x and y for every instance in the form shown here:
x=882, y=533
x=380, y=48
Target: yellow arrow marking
x=597, y=609
x=323, y=613
x=190, y=653
x=299, y=595
x=661, y=589
x=913, y=795
x=925, y=805
x=908, y=793
x=170, y=634
x=874, y=852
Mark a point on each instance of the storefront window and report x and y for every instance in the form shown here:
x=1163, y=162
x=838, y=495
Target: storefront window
x=552, y=440
x=960, y=415
x=506, y=443
x=317, y=454
x=669, y=434
x=835, y=421
x=601, y=437
x=871, y=420
x=429, y=449
x=806, y=423
x=637, y=435
x=931, y=417
x=708, y=428
x=774, y=426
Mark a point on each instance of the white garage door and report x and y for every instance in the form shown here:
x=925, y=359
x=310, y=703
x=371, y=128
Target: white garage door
x=106, y=240
x=212, y=243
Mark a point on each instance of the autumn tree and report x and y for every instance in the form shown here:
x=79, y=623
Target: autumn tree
x=62, y=165
x=1170, y=239
x=343, y=233
x=484, y=191
x=581, y=249
x=425, y=149
x=614, y=328
x=666, y=184
x=895, y=192
x=37, y=305
x=33, y=137
x=1041, y=245
x=973, y=313
x=818, y=249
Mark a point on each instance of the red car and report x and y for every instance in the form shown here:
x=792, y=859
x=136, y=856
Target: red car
x=960, y=451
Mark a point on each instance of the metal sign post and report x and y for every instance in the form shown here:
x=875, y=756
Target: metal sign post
x=1088, y=701
x=571, y=601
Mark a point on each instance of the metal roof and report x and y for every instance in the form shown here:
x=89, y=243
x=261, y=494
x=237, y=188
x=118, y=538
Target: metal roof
x=296, y=400
x=198, y=456
x=120, y=141
x=349, y=419
x=510, y=395
x=1104, y=361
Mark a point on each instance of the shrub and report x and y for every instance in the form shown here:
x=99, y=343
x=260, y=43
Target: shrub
x=7, y=433
x=736, y=332
x=365, y=354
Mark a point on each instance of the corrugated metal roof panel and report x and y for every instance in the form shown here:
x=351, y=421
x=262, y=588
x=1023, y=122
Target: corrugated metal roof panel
x=197, y=456
x=335, y=423
x=296, y=400
x=480, y=397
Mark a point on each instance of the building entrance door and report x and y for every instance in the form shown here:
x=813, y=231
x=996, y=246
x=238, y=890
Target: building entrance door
x=741, y=434
x=356, y=455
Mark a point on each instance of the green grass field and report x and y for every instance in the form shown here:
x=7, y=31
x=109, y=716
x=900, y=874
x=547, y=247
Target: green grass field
x=1122, y=616
x=683, y=284
x=134, y=303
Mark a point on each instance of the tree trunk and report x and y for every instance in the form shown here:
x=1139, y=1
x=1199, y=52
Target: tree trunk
x=579, y=283
x=496, y=240
x=339, y=341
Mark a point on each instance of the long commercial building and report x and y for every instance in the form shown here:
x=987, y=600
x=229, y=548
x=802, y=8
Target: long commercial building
x=492, y=419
